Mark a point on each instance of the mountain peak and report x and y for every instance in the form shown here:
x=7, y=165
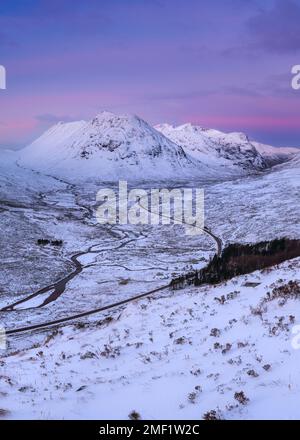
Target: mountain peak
x=117, y=120
x=109, y=147
x=212, y=146
x=112, y=147
x=164, y=126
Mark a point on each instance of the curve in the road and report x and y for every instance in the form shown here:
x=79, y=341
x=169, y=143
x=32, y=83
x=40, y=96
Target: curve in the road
x=105, y=308
x=60, y=286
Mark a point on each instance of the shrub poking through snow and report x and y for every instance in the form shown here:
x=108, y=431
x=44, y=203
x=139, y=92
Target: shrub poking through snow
x=226, y=348
x=241, y=398
x=110, y=352
x=192, y=397
x=252, y=373
x=124, y=281
x=56, y=242
x=211, y=415
x=134, y=415
x=286, y=291
x=196, y=372
x=215, y=332
x=45, y=242
x=180, y=341
x=88, y=355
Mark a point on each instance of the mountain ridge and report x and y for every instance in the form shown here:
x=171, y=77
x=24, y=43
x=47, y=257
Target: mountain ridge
x=112, y=147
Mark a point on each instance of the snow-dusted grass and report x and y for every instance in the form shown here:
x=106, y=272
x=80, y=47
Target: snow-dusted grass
x=256, y=208
x=207, y=352
x=178, y=356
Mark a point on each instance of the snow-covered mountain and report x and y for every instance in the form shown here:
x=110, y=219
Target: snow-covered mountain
x=13, y=189
x=108, y=147
x=276, y=155
x=111, y=147
x=211, y=146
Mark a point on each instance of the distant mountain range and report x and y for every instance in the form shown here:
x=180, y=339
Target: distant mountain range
x=111, y=147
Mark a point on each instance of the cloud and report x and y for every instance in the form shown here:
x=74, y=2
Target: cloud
x=248, y=90
x=277, y=29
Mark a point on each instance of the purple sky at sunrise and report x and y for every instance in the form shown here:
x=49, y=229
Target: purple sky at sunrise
x=221, y=64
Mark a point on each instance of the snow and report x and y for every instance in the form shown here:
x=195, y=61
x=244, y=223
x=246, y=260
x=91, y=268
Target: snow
x=276, y=155
x=33, y=302
x=106, y=148
x=162, y=355
x=111, y=147
x=159, y=352
x=230, y=150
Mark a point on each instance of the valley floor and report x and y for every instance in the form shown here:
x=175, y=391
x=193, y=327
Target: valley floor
x=175, y=355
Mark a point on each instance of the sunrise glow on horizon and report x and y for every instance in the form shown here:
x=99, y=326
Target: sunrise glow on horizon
x=224, y=65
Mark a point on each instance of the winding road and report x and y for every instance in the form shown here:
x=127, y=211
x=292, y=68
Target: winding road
x=59, y=287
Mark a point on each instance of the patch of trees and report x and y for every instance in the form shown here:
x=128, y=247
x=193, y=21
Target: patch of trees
x=240, y=259
x=45, y=242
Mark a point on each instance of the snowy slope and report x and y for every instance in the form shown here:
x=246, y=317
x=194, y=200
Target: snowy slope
x=276, y=155
x=50, y=145
x=109, y=147
x=212, y=146
x=179, y=356
x=229, y=149
x=19, y=184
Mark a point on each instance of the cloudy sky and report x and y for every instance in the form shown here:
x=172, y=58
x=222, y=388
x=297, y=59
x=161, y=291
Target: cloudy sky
x=224, y=64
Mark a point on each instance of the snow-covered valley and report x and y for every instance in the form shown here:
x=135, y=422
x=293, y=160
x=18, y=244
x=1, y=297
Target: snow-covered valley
x=175, y=354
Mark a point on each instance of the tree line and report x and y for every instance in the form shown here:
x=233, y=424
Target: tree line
x=240, y=259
